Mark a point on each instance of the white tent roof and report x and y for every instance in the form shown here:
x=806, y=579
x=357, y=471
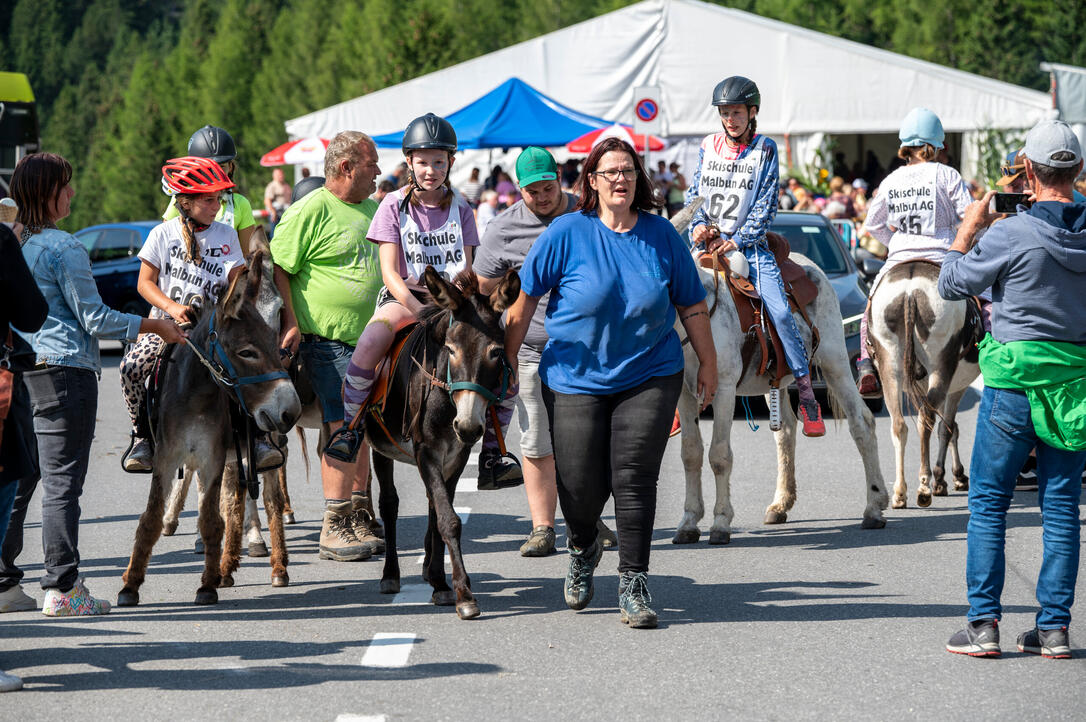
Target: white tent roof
x=810, y=82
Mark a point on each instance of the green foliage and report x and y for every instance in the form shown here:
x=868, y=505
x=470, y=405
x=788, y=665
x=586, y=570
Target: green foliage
x=993, y=145
x=122, y=84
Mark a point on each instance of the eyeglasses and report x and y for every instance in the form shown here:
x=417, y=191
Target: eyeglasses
x=1012, y=170
x=612, y=174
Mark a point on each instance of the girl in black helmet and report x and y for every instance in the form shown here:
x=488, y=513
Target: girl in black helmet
x=738, y=175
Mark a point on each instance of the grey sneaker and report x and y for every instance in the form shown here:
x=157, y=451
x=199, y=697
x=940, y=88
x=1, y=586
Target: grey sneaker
x=139, y=458
x=16, y=600
x=633, y=601
x=497, y=471
x=268, y=456
x=540, y=542
x=338, y=541
x=1050, y=643
x=582, y=564
x=980, y=638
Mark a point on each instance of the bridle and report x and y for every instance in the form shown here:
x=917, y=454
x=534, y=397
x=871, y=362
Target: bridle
x=453, y=386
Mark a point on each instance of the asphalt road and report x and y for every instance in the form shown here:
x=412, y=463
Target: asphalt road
x=815, y=619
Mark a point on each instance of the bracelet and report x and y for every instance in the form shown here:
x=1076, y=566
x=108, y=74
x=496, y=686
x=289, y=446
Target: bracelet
x=695, y=313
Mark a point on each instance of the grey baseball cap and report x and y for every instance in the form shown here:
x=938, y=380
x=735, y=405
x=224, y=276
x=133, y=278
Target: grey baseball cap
x=1050, y=137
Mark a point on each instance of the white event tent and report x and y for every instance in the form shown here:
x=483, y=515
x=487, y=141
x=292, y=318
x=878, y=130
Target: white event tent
x=812, y=85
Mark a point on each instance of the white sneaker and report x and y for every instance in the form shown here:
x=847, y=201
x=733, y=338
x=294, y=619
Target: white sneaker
x=76, y=602
x=9, y=682
x=16, y=600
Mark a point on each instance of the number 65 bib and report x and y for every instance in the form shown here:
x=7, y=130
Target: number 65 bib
x=910, y=199
x=728, y=183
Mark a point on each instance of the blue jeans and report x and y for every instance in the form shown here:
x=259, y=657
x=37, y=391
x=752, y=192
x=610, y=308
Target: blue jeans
x=1004, y=438
x=766, y=277
x=7, y=501
x=327, y=362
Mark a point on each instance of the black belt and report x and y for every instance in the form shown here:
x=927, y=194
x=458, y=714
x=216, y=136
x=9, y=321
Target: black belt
x=314, y=338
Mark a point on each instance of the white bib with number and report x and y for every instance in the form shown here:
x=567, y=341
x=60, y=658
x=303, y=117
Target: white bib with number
x=728, y=183
x=910, y=199
x=442, y=248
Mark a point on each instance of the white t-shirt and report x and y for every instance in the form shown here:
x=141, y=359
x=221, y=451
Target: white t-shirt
x=183, y=281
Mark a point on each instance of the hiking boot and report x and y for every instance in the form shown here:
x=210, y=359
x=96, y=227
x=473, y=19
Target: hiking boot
x=338, y=541
x=362, y=524
x=582, y=563
x=633, y=601
x=540, y=542
x=16, y=600
x=811, y=416
x=139, y=458
x=1050, y=643
x=980, y=638
x=497, y=471
x=676, y=426
x=268, y=456
x=607, y=538
x=1027, y=477
x=868, y=383
x=76, y=602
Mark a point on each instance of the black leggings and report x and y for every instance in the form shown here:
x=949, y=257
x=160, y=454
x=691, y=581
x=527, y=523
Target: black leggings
x=612, y=444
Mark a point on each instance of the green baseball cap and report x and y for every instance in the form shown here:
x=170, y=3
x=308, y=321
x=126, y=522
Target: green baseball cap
x=535, y=164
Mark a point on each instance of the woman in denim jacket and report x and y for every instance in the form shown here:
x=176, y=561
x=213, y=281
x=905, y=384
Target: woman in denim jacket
x=64, y=385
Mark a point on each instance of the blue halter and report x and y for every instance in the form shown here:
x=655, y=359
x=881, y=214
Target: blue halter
x=490, y=396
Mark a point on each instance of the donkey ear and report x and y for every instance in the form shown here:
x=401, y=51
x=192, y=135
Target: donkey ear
x=444, y=293
x=234, y=297
x=507, y=292
x=255, y=274
x=259, y=240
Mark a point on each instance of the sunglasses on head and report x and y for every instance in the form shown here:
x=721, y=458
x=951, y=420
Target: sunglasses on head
x=1011, y=170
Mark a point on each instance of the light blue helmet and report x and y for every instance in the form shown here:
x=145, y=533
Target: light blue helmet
x=920, y=127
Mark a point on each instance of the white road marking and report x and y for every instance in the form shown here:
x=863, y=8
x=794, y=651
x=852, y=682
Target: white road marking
x=413, y=594
x=464, y=512
x=467, y=483
x=389, y=649
x=978, y=384
x=362, y=718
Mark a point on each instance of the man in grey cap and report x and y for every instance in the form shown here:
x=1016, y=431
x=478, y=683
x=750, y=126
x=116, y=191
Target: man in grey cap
x=1034, y=367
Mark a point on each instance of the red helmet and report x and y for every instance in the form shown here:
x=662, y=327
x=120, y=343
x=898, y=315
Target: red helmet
x=192, y=175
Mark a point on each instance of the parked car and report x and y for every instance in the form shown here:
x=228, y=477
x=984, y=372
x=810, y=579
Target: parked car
x=112, y=248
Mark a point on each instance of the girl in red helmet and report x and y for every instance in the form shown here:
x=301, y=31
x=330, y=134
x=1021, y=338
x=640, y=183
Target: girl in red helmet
x=187, y=263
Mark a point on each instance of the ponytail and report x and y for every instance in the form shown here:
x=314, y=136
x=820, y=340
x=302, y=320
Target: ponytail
x=188, y=230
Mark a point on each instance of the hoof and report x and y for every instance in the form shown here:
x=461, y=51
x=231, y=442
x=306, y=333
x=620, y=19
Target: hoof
x=258, y=549
x=961, y=484
x=939, y=489
x=871, y=523
x=686, y=536
x=899, y=502
x=169, y=528
x=288, y=517
x=226, y=581
x=775, y=517
x=445, y=598
x=198, y=547
x=128, y=599
x=209, y=596
x=390, y=586
x=281, y=580
x=717, y=537
x=467, y=610
x=923, y=500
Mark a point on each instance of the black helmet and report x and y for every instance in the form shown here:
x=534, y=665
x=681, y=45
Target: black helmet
x=737, y=90
x=306, y=186
x=214, y=143
x=429, y=131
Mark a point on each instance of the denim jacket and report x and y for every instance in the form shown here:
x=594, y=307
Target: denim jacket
x=77, y=315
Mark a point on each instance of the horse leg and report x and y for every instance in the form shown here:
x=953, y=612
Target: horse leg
x=256, y=545
x=891, y=394
x=273, y=505
x=925, y=420
x=433, y=562
x=720, y=462
x=389, y=506
x=147, y=532
x=198, y=545
x=785, y=496
x=230, y=508
x=692, y=452
x=449, y=526
x=211, y=531
x=288, y=510
x=938, y=470
x=175, y=504
x=950, y=413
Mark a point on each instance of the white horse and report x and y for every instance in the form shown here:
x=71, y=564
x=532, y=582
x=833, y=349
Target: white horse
x=917, y=336
x=831, y=358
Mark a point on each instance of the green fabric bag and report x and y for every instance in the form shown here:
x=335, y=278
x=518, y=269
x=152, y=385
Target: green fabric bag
x=1053, y=375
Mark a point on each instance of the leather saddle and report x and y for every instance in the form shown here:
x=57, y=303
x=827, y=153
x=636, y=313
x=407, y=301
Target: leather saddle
x=389, y=367
x=754, y=321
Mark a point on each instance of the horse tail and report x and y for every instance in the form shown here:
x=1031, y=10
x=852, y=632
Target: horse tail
x=918, y=397
x=305, y=450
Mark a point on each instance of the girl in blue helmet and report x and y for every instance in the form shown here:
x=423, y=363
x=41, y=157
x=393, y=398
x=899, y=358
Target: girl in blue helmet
x=915, y=214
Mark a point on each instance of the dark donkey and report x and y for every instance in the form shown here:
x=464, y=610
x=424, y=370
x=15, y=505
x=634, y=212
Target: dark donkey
x=193, y=427
x=434, y=411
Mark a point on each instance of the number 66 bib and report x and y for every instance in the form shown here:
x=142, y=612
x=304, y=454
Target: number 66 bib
x=728, y=183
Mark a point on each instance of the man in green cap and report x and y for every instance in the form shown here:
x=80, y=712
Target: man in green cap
x=505, y=243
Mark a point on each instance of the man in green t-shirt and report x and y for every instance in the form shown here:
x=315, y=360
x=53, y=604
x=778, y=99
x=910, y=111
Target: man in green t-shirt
x=334, y=275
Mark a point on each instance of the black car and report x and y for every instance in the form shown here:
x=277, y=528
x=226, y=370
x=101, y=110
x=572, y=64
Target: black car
x=112, y=248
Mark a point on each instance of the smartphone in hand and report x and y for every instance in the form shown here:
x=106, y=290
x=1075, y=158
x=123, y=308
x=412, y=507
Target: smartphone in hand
x=1009, y=202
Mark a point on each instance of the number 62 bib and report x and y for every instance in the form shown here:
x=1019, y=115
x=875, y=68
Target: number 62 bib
x=728, y=183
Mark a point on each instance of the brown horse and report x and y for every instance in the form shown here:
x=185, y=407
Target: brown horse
x=193, y=427
x=434, y=413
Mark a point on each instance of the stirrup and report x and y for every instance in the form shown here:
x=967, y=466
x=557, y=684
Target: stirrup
x=343, y=444
x=124, y=457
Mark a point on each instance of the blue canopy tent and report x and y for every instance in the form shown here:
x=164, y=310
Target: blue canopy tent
x=512, y=115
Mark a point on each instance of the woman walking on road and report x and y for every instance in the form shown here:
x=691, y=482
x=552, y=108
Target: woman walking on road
x=63, y=386
x=612, y=368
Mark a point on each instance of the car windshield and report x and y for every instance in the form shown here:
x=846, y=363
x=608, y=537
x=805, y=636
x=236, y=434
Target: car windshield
x=818, y=242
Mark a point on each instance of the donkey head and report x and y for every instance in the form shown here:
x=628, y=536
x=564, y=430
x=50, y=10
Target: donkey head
x=251, y=346
x=474, y=341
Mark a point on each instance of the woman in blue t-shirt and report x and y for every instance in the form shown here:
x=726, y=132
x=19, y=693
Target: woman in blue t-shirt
x=612, y=368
